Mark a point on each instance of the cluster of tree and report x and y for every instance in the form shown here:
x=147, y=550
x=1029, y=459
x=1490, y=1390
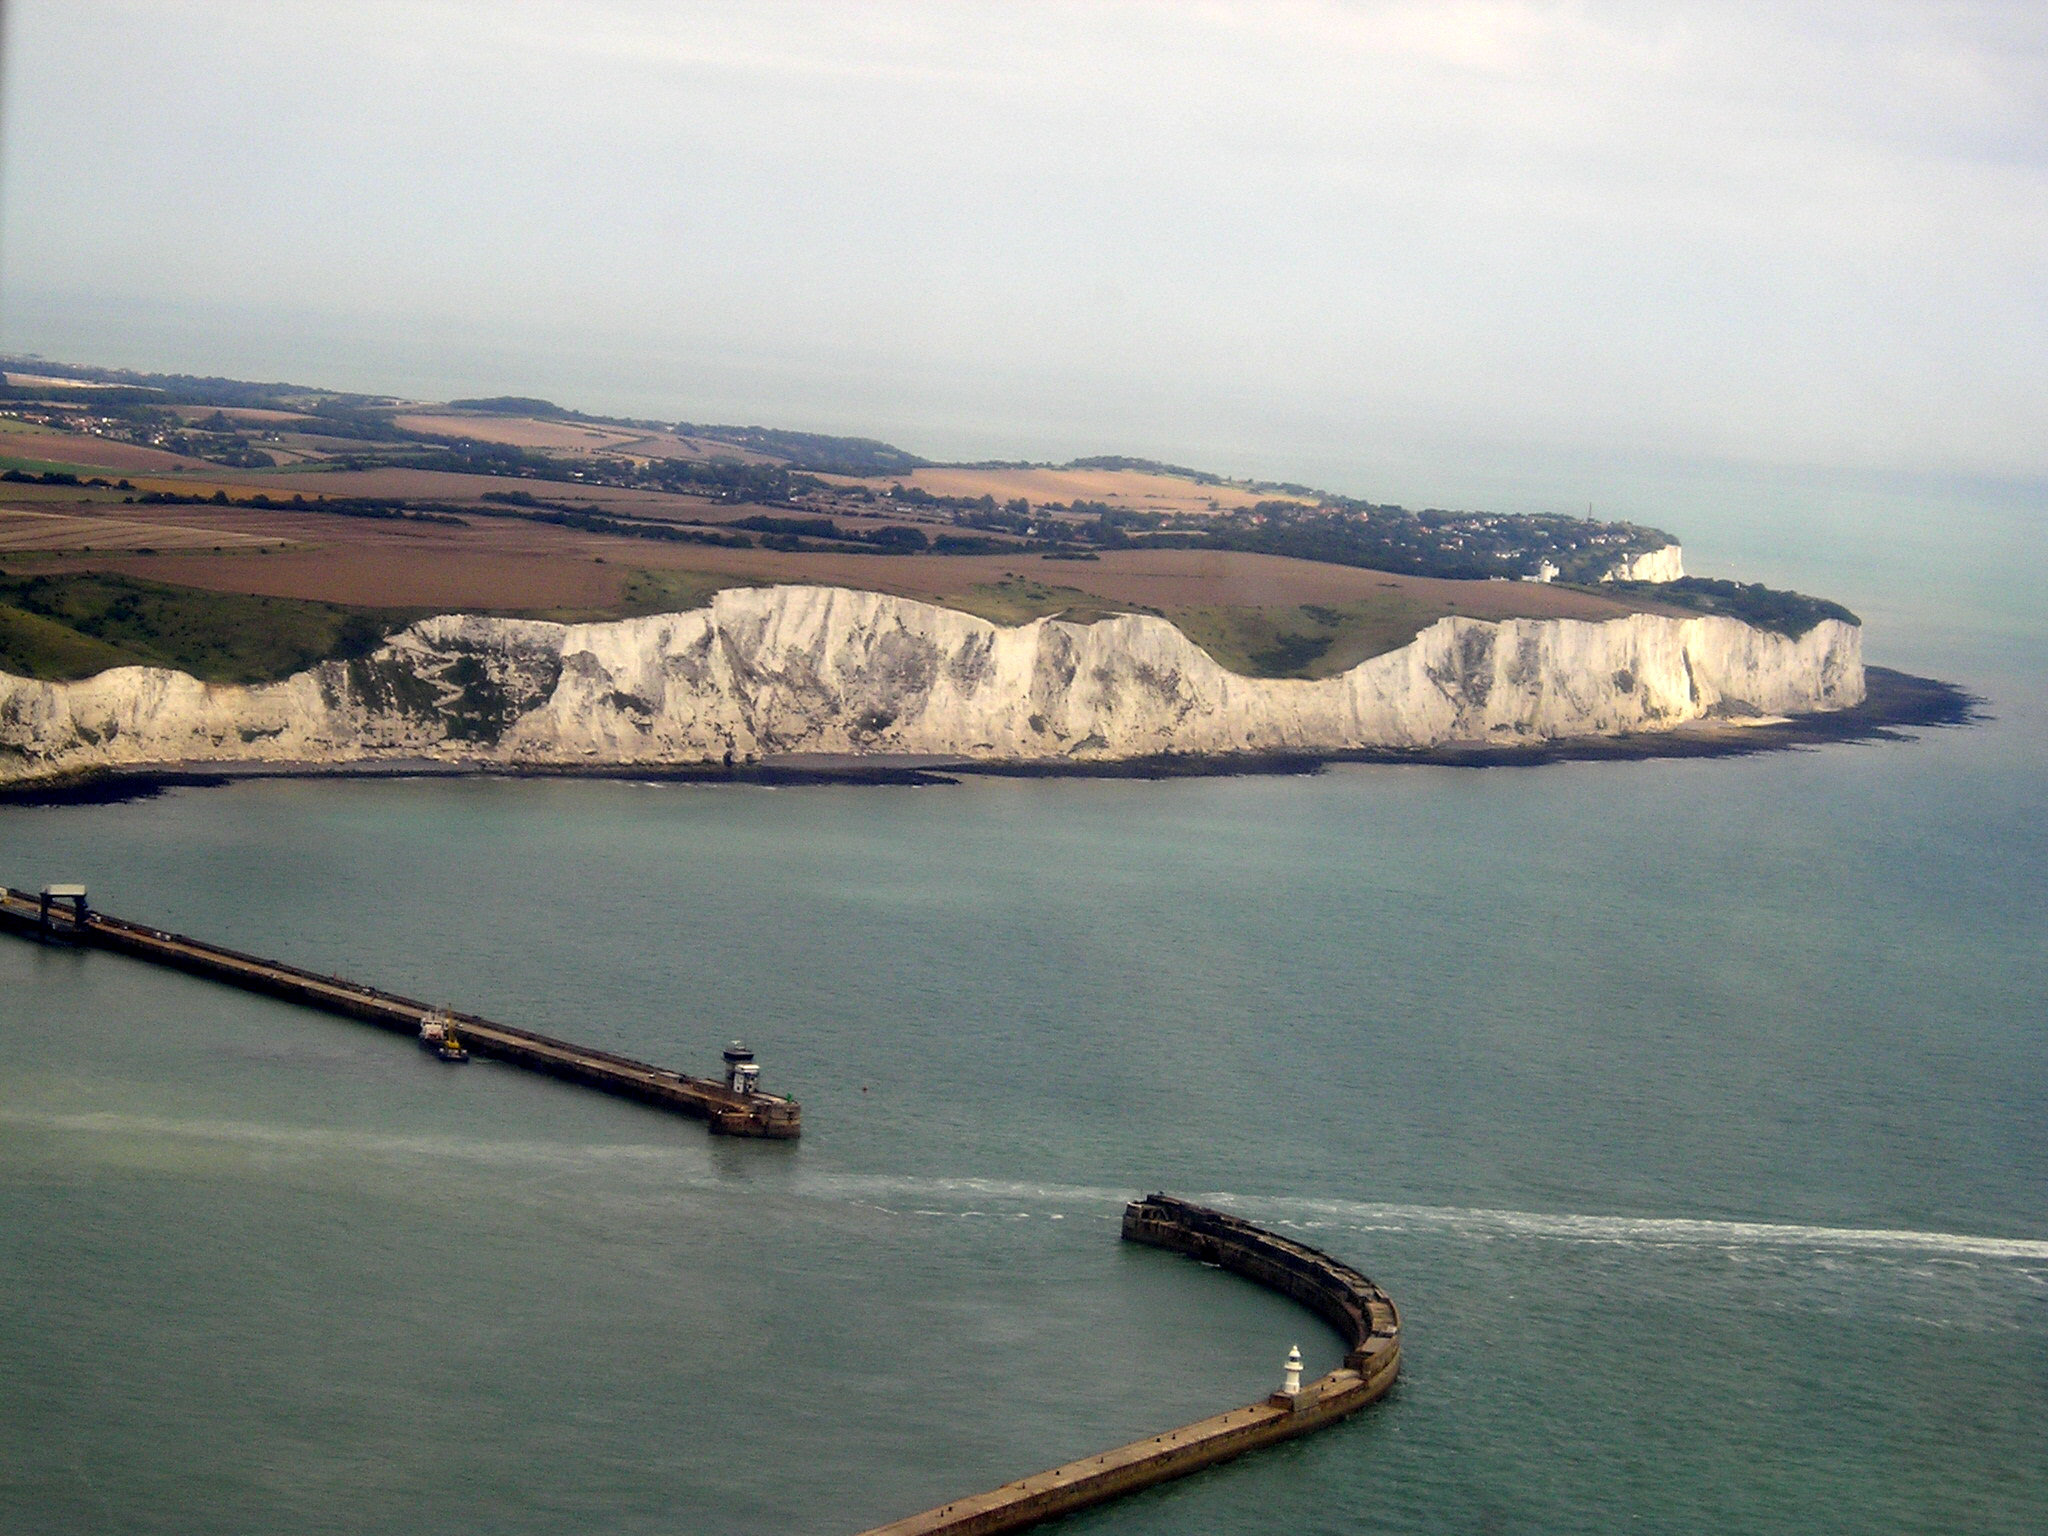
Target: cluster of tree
x=1454, y=545
x=894, y=539
x=218, y=441
x=1115, y=525
x=334, y=506
x=738, y=481
x=69, y=416
x=591, y=520
x=917, y=496
x=1115, y=461
x=1338, y=541
x=813, y=451
x=97, y=620
x=239, y=455
x=969, y=544
x=733, y=480
x=99, y=399
x=547, y=410
x=140, y=419
x=513, y=405
x=51, y=477
x=891, y=541
x=132, y=387
x=791, y=527
x=465, y=457
x=355, y=423
x=1013, y=516
x=1782, y=612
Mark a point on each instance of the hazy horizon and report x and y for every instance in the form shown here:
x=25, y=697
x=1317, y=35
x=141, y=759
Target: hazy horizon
x=1534, y=255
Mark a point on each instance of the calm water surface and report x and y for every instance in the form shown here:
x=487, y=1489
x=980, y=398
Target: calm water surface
x=1693, y=1112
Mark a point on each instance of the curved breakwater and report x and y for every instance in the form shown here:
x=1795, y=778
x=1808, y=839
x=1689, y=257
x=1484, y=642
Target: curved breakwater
x=1361, y=1313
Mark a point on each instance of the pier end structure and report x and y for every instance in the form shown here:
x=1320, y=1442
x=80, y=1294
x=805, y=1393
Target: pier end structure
x=1363, y=1315
x=50, y=909
x=726, y=1110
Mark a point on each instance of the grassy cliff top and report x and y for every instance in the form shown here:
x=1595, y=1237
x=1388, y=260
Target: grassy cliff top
x=72, y=626
x=1780, y=612
x=65, y=626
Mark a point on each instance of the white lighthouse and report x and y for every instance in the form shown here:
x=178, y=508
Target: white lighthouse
x=1290, y=1377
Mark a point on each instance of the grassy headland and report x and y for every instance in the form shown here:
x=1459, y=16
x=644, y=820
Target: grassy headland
x=72, y=626
x=136, y=500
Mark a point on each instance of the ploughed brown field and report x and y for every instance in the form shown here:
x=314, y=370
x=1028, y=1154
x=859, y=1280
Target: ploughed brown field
x=23, y=530
x=92, y=453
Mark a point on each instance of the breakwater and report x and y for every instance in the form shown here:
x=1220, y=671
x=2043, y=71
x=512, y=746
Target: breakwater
x=60, y=914
x=1359, y=1310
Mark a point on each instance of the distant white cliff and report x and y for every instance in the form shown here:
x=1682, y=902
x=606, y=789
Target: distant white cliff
x=803, y=669
x=1666, y=564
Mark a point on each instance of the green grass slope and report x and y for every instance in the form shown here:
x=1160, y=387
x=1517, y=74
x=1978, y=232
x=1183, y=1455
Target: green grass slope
x=66, y=627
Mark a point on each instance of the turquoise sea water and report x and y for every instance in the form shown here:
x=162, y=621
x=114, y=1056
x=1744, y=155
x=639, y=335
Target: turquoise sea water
x=1692, y=1111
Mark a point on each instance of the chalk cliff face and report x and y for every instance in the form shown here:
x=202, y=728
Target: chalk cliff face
x=1666, y=564
x=827, y=670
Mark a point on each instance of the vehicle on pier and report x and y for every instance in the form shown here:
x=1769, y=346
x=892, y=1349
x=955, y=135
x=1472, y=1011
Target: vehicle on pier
x=437, y=1034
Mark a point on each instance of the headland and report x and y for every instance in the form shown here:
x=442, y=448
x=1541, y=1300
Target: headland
x=217, y=577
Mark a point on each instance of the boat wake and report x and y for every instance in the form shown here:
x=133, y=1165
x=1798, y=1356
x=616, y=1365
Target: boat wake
x=978, y=1198
x=1639, y=1231
x=323, y=1141
x=1479, y=1223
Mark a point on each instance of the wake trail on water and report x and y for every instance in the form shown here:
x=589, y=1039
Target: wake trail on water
x=1308, y=1215
x=322, y=1140
x=1651, y=1231
x=941, y=1196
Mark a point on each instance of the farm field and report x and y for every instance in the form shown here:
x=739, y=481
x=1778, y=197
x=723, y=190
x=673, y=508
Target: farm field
x=1243, y=608
x=83, y=449
x=23, y=531
x=1138, y=490
x=307, y=497
x=570, y=437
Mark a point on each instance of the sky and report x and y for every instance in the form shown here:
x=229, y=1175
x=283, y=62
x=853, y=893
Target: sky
x=1391, y=247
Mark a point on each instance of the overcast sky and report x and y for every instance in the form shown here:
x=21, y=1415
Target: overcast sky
x=1382, y=236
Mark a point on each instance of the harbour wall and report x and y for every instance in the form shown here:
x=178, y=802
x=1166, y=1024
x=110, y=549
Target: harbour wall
x=1362, y=1314
x=729, y=1113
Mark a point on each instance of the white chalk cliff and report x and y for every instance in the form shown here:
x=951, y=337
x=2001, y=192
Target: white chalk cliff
x=1666, y=564
x=802, y=669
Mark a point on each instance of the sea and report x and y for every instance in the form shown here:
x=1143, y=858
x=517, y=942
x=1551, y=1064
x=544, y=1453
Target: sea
x=1694, y=1113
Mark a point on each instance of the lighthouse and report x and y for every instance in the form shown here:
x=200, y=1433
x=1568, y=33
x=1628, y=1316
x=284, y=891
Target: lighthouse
x=742, y=1074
